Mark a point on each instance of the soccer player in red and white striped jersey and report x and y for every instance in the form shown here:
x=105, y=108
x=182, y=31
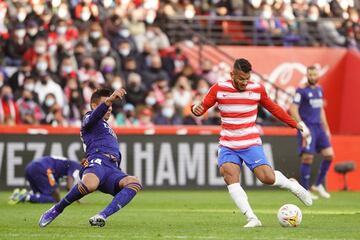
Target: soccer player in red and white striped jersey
x=238, y=100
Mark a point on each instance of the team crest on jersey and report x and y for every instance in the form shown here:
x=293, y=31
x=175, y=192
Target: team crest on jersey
x=310, y=94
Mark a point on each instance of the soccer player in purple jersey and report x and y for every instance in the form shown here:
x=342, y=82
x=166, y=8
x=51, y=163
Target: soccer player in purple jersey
x=308, y=109
x=44, y=174
x=101, y=170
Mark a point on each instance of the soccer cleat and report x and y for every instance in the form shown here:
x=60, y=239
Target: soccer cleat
x=48, y=217
x=319, y=189
x=253, y=222
x=18, y=196
x=301, y=193
x=97, y=220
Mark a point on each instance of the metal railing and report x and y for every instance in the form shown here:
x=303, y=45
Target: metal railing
x=179, y=29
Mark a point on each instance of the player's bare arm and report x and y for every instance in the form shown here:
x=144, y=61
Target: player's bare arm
x=117, y=94
x=294, y=111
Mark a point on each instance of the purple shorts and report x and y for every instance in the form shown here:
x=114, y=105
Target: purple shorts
x=319, y=140
x=41, y=181
x=107, y=172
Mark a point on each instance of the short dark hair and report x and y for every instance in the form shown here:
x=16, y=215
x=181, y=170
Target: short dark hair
x=312, y=67
x=243, y=65
x=101, y=92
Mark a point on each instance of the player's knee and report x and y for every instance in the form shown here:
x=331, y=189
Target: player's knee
x=131, y=182
x=231, y=178
x=268, y=178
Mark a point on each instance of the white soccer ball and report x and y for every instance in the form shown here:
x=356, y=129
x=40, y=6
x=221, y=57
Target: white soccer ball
x=289, y=215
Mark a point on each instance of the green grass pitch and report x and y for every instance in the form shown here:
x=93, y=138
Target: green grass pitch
x=186, y=215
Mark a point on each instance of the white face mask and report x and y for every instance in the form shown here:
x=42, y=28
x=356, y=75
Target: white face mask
x=203, y=90
x=124, y=33
x=150, y=34
x=29, y=86
x=124, y=51
x=85, y=16
x=21, y=16
x=63, y=13
x=168, y=112
x=32, y=31
x=95, y=34
x=20, y=33
x=61, y=30
x=40, y=49
x=116, y=85
x=313, y=17
x=267, y=14
x=67, y=69
x=49, y=102
x=104, y=49
x=151, y=101
x=41, y=66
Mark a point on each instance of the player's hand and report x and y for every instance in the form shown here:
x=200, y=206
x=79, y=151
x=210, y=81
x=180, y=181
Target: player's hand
x=198, y=109
x=304, y=130
x=117, y=94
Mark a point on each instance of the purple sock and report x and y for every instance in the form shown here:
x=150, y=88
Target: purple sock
x=41, y=198
x=76, y=193
x=325, y=164
x=121, y=199
x=305, y=171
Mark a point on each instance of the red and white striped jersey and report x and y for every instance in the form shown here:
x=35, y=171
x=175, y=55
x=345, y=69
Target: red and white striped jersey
x=238, y=111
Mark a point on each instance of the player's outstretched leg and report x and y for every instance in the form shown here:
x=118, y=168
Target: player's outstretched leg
x=120, y=200
x=76, y=193
x=292, y=185
x=240, y=198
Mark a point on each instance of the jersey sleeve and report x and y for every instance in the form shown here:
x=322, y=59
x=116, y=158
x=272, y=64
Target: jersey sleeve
x=298, y=97
x=210, y=98
x=95, y=115
x=275, y=109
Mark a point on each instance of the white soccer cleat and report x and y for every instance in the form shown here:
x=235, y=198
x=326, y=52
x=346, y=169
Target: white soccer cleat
x=301, y=193
x=97, y=220
x=253, y=222
x=321, y=191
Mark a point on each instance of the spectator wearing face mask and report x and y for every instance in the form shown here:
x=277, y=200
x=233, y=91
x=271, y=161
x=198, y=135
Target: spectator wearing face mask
x=16, y=46
x=127, y=116
x=39, y=49
x=30, y=111
x=104, y=50
x=135, y=89
x=53, y=112
x=88, y=72
x=156, y=38
x=85, y=12
x=32, y=32
x=108, y=68
x=182, y=93
x=75, y=100
x=45, y=85
x=130, y=66
x=17, y=79
x=9, y=110
x=167, y=116
x=67, y=69
x=95, y=34
x=154, y=72
x=125, y=50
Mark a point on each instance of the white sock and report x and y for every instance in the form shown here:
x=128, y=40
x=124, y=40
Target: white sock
x=240, y=198
x=282, y=181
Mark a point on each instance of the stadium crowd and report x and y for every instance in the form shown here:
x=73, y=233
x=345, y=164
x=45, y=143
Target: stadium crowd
x=54, y=54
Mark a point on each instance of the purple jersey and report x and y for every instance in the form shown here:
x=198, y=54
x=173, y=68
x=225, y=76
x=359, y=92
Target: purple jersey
x=97, y=136
x=44, y=173
x=310, y=101
x=59, y=166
